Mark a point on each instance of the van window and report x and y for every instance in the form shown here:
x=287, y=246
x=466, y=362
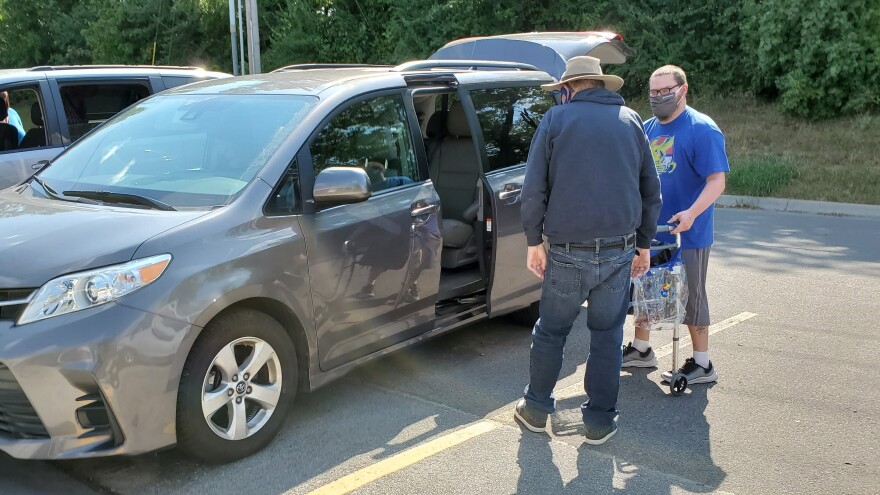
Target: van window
x=88, y=105
x=508, y=118
x=372, y=134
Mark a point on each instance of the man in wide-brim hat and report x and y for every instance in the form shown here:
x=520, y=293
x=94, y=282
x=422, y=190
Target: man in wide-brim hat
x=591, y=194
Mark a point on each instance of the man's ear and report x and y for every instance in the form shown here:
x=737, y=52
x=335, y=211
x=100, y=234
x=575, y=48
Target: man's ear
x=684, y=90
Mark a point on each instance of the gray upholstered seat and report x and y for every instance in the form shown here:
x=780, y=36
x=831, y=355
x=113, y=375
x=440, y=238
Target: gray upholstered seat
x=455, y=171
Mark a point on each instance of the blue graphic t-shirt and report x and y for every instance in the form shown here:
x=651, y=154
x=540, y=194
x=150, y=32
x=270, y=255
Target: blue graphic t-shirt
x=687, y=151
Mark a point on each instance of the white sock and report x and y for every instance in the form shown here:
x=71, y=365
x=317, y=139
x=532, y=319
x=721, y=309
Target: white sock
x=641, y=345
x=702, y=358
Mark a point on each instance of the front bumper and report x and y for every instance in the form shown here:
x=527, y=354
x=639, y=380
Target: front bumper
x=93, y=383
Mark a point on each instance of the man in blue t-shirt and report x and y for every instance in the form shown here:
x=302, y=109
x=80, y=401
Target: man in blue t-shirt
x=14, y=119
x=691, y=161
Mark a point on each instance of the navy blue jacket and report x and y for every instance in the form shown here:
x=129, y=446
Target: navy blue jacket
x=590, y=174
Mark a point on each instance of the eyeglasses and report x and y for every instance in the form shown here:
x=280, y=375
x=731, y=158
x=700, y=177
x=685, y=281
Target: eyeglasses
x=662, y=91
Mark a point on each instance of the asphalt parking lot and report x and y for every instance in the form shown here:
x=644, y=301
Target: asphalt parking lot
x=796, y=409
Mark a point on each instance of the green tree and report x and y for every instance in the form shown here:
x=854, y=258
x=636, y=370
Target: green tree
x=821, y=58
x=42, y=32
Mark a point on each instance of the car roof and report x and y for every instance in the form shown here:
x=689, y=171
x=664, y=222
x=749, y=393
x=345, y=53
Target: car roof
x=314, y=81
x=41, y=72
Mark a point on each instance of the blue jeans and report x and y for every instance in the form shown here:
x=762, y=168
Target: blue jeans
x=573, y=276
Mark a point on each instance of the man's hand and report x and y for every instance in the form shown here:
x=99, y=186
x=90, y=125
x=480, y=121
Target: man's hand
x=536, y=260
x=685, y=220
x=641, y=263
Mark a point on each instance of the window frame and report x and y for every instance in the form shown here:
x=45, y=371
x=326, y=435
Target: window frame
x=306, y=162
x=50, y=122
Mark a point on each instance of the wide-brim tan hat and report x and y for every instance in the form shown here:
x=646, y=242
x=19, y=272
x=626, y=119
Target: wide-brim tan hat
x=585, y=67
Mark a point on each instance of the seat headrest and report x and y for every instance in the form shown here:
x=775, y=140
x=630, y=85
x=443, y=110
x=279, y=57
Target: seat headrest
x=436, y=125
x=36, y=114
x=456, y=122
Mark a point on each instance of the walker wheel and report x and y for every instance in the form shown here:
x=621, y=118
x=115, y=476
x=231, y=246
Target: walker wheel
x=678, y=383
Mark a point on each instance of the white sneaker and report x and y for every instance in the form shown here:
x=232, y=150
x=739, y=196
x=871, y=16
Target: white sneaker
x=694, y=373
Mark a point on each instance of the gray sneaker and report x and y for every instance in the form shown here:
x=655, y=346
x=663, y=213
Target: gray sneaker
x=598, y=436
x=535, y=421
x=633, y=358
x=694, y=373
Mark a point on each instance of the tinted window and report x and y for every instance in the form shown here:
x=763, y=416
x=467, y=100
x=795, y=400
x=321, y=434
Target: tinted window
x=373, y=134
x=88, y=105
x=508, y=118
x=183, y=150
x=284, y=198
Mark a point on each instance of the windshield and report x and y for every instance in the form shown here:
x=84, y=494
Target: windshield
x=182, y=150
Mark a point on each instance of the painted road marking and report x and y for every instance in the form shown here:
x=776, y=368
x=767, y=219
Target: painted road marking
x=666, y=350
x=408, y=457
x=661, y=352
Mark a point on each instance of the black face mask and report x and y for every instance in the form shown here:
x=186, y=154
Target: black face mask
x=664, y=106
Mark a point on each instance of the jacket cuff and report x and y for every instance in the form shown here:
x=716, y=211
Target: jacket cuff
x=643, y=242
x=534, y=240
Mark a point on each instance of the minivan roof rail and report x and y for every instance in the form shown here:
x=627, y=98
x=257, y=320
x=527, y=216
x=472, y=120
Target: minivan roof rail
x=44, y=68
x=460, y=64
x=325, y=66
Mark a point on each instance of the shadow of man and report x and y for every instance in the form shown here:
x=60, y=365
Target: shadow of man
x=664, y=446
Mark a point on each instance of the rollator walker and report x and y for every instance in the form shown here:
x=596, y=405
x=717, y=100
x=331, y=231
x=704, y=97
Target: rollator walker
x=659, y=298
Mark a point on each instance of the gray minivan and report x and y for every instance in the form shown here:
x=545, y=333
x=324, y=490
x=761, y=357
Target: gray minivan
x=180, y=273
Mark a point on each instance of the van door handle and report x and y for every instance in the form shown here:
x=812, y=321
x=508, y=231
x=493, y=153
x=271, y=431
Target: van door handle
x=510, y=191
x=40, y=164
x=423, y=209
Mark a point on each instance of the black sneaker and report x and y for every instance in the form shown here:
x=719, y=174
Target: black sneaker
x=598, y=436
x=634, y=358
x=694, y=372
x=530, y=418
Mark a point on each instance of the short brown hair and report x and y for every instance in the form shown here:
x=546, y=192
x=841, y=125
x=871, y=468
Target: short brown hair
x=582, y=84
x=676, y=71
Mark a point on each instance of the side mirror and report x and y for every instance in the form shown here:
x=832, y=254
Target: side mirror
x=342, y=185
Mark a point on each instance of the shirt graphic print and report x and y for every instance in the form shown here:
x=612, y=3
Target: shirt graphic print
x=663, y=150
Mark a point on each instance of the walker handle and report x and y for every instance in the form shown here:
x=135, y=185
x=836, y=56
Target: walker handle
x=662, y=247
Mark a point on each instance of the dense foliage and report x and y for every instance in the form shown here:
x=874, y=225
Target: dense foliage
x=819, y=58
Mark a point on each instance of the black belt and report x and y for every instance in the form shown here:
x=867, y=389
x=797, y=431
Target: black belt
x=616, y=242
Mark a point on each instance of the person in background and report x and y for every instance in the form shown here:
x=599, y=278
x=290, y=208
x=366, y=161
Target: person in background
x=689, y=153
x=13, y=119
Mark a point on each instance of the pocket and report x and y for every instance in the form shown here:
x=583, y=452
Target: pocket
x=619, y=277
x=565, y=278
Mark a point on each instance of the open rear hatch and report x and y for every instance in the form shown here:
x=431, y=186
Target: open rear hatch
x=547, y=51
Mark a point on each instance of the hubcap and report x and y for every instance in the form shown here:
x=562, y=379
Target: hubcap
x=242, y=388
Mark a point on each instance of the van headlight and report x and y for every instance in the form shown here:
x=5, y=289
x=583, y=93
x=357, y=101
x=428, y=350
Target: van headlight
x=85, y=290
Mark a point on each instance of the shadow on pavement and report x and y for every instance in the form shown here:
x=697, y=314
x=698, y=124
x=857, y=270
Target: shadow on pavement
x=663, y=445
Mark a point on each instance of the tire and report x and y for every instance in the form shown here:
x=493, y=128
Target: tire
x=217, y=369
x=528, y=315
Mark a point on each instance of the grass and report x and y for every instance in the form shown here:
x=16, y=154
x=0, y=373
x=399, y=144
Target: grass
x=761, y=175
x=774, y=155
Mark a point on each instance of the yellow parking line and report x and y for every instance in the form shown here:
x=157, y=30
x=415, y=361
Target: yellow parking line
x=686, y=341
x=661, y=352
x=395, y=463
